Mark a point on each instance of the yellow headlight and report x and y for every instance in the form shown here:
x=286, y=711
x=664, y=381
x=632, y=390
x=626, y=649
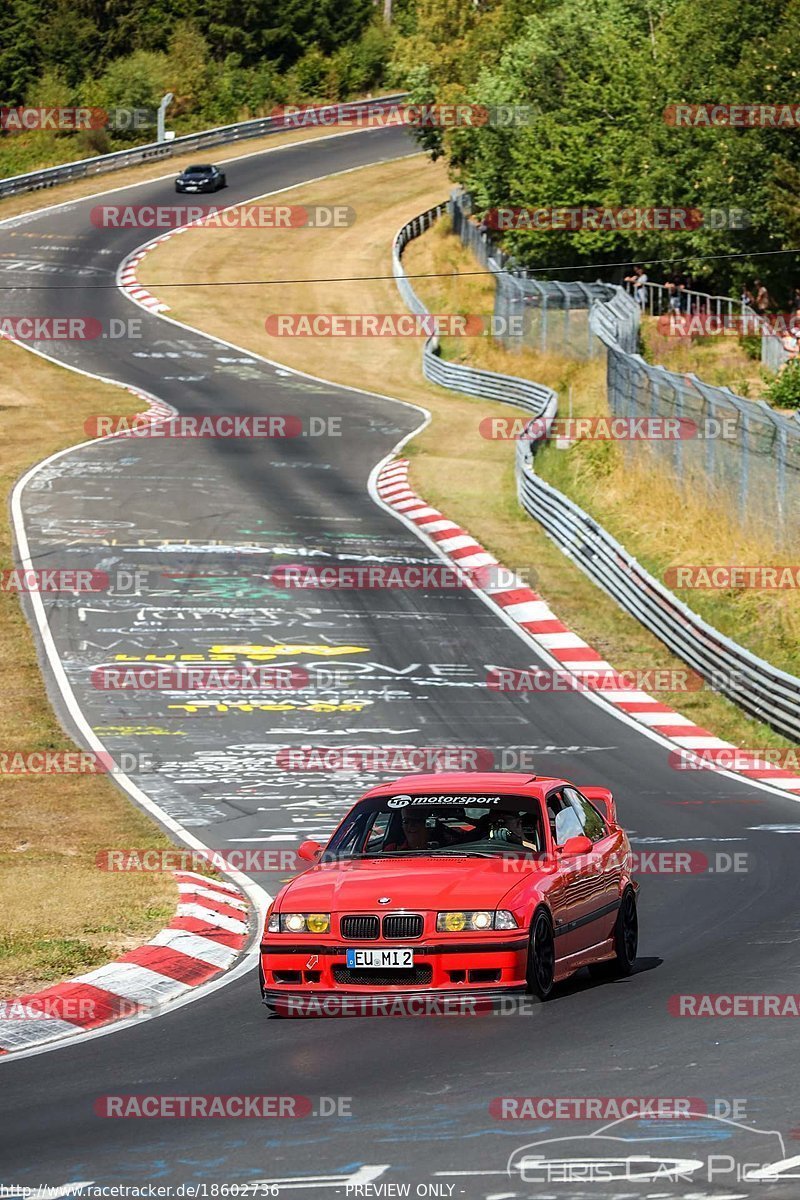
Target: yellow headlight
x=318, y=922
x=454, y=922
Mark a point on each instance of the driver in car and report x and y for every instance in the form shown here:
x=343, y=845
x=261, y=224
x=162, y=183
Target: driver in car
x=519, y=829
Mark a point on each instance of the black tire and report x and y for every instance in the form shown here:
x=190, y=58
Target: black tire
x=626, y=941
x=223, y=183
x=540, y=973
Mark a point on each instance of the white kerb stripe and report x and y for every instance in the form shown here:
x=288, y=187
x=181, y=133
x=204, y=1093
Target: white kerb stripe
x=15, y=1035
x=212, y=918
x=133, y=982
x=661, y=718
x=697, y=743
x=208, y=951
x=478, y=560
x=529, y=610
x=208, y=882
x=554, y=640
x=222, y=897
x=457, y=543
x=437, y=526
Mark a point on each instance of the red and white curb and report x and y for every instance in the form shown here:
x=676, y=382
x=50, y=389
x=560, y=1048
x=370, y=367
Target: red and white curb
x=211, y=928
x=527, y=609
x=127, y=278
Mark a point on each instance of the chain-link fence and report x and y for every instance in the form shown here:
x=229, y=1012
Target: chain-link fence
x=541, y=315
x=742, y=452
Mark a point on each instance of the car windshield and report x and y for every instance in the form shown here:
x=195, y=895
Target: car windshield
x=407, y=826
x=198, y=171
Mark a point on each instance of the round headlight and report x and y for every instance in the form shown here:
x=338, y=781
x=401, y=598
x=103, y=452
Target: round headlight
x=295, y=922
x=482, y=920
x=454, y=922
x=318, y=922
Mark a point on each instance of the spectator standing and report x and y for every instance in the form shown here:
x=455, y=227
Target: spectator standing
x=762, y=299
x=638, y=282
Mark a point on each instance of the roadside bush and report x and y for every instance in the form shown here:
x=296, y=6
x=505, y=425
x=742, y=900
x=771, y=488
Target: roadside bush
x=784, y=391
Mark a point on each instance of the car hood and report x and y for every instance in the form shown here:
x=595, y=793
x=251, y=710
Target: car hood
x=356, y=886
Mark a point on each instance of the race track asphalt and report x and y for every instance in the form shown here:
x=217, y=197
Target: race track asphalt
x=204, y=522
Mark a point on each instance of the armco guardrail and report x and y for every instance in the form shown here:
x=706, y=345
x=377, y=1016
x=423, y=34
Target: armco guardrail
x=506, y=389
x=223, y=135
x=760, y=689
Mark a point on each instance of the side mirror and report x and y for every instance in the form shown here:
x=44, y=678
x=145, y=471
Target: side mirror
x=574, y=847
x=603, y=799
x=309, y=851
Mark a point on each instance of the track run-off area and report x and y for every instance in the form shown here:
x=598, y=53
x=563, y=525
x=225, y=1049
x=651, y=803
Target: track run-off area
x=201, y=523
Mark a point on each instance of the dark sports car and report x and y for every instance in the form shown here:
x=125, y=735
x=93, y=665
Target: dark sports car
x=200, y=179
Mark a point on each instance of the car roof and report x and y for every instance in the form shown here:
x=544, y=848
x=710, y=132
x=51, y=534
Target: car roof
x=470, y=782
x=200, y=167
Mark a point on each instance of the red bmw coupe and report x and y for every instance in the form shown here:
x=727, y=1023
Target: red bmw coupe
x=454, y=885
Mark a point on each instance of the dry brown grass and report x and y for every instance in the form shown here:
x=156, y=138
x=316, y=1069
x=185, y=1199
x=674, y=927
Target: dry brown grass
x=61, y=915
x=452, y=465
x=718, y=360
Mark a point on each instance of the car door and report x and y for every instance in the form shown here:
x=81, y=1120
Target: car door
x=593, y=893
x=564, y=894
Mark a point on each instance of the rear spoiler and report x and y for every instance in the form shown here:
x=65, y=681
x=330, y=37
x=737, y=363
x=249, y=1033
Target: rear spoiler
x=602, y=797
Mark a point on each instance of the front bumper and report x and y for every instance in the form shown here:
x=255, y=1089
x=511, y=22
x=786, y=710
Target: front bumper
x=487, y=967
x=398, y=1002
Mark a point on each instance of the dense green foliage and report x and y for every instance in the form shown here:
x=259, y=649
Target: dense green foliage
x=596, y=74
x=600, y=74
x=223, y=62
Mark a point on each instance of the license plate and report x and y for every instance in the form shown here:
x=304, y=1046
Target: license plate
x=376, y=959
